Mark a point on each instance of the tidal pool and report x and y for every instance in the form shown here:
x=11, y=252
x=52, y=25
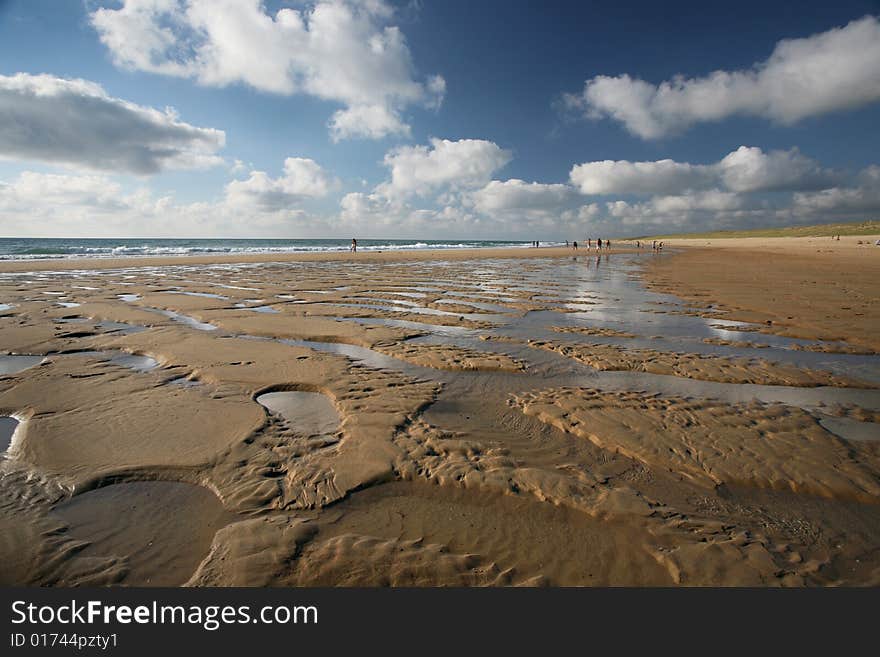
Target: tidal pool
x=310, y=413
x=14, y=364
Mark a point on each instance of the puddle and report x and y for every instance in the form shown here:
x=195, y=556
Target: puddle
x=67, y=304
x=135, y=362
x=129, y=298
x=849, y=429
x=6, y=306
x=16, y=364
x=192, y=322
x=119, y=327
x=412, y=295
x=184, y=382
x=162, y=529
x=8, y=425
x=207, y=295
x=309, y=413
x=263, y=309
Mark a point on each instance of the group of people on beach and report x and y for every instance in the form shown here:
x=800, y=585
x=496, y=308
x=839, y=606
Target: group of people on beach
x=599, y=244
x=655, y=245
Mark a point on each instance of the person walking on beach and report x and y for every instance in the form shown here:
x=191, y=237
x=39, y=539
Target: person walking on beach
x=354, y=245
x=575, y=245
x=598, y=245
x=589, y=243
x=607, y=244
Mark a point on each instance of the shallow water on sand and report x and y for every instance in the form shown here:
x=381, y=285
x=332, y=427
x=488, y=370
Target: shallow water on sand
x=15, y=364
x=162, y=529
x=473, y=416
x=8, y=425
x=308, y=413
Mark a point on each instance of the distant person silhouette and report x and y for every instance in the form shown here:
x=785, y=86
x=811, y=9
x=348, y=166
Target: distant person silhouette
x=354, y=245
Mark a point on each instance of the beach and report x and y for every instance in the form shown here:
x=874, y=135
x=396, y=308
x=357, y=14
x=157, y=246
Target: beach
x=702, y=416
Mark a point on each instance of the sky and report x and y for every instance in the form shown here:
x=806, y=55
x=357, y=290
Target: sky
x=434, y=119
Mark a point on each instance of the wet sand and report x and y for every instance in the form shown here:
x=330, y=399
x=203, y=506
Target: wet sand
x=512, y=417
x=807, y=287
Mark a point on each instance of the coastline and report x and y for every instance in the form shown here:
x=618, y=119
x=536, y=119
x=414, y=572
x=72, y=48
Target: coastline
x=414, y=255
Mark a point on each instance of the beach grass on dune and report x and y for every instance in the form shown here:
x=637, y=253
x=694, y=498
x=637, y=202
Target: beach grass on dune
x=819, y=230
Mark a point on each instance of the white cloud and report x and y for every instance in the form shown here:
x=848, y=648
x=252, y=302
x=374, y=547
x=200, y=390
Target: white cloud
x=31, y=188
x=75, y=122
x=714, y=207
x=860, y=201
x=369, y=121
x=420, y=170
x=513, y=194
x=371, y=210
x=624, y=177
x=747, y=169
x=302, y=178
x=342, y=51
x=49, y=205
x=835, y=70
x=53, y=205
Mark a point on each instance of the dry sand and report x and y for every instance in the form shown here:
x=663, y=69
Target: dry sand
x=463, y=454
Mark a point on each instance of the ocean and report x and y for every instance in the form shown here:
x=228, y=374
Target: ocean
x=49, y=248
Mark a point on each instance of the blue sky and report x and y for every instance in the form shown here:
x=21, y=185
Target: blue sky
x=434, y=119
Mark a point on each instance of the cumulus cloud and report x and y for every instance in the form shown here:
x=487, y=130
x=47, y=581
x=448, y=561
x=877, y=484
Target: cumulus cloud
x=747, y=169
x=420, y=170
x=51, y=204
x=342, y=51
x=625, y=177
x=858, y=201
x=31, y=188
x=831, y=71
x=75, y=122
x=715, y=206
x=302, y=179
x=513, y=194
